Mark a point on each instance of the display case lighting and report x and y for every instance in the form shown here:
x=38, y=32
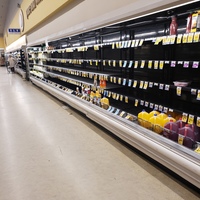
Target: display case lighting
x=145, y=34
x=64, y=45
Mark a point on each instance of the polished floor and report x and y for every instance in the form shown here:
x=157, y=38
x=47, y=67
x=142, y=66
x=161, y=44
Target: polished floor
x=50, y=152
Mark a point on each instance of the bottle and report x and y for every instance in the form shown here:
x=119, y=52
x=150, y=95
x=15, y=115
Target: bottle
x=196, y=132
x=166, y=120
x=162, y=116
x=194, y=22
x=189, y=136
x=189, y=23
x=103, y=83
x=143, y=119
x=198, y=21
x=151, y=114
x=180, y=123
x=156, y=125
x=105, y=103
x=173, y=26
x=98, y=96
x=171, y=130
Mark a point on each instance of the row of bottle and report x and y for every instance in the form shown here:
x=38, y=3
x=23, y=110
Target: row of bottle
x=166, y=125
x=193, y=23
x=102, y=82
x=154, y=120
x=185, y=134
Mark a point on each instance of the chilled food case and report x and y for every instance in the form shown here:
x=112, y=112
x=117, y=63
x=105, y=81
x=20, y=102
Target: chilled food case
x=138, y=78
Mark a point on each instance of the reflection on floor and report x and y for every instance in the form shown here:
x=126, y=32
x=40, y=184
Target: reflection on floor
x=49, y=151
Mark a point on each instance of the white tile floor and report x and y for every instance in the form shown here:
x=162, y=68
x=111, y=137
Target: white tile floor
x=48, y=151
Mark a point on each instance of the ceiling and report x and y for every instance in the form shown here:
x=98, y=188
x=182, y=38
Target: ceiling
x=3, y=12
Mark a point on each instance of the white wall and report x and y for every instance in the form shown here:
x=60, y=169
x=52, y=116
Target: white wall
x=82, y=15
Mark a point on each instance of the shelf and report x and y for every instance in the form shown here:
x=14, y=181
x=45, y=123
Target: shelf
x=165, y=40
x=92, y=72
x=80, y=80
x=174, y=156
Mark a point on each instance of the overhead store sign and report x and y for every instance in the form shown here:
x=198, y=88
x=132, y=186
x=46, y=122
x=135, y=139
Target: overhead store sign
x=32, y=7
x=14, y=30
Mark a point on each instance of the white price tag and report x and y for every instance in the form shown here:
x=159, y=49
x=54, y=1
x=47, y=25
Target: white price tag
x=186, y=64
x=195, y=64
x=146, y=103
x=151, y=105
x=173, y=63
x=125, y=63
x=167, y=87
x=130, y=64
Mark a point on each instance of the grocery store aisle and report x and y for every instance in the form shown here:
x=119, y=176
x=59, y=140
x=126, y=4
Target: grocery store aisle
x=48, y=151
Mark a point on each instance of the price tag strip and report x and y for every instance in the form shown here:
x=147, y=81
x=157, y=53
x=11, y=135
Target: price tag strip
x=198, y=95
x=179, y=39
x=195, y=64
x=142, y=64
x=190, y=37
x=191, y=119
x=136, y=64
x=156, y=64
x=130, y=64
x=150, y=64
x=180, y=139
x=161, y=65
x=134, y=84
x=184, y=117
x=186, y=64
x=178, y=91
x=198, y=121
x=196, y=37
x=136, y=102
x=197, y=150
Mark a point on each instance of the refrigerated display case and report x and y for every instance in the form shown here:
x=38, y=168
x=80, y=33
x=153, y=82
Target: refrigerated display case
x=18, y=50
x=21, y=67
x=135, y=65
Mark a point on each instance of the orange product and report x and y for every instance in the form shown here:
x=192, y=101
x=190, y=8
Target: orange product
x=156, y=125
x=162, y=116
x=104, y=83
x=151, y=114
x=143, y=119
x=101, y=83
x=105, y=103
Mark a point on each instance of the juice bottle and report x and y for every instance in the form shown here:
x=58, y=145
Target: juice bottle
x=143, y=119
x=180, y=123
x=189, y=136
x=151, y=114
x=198, y=21
x=162, y=116
x=105, y=103
x=173, y=26
x=171, y=130
x=196, y=132
x=103, y=83
x=189, y=23
x=156, y=124
x=168, y=120
x=194, y=22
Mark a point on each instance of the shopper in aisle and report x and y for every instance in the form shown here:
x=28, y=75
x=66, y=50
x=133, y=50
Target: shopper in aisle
x=12, y=62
